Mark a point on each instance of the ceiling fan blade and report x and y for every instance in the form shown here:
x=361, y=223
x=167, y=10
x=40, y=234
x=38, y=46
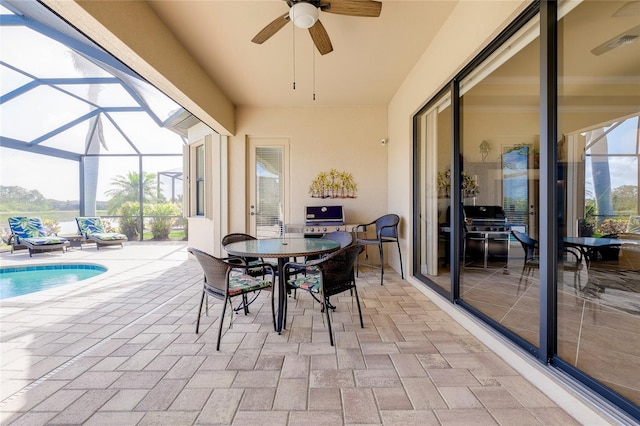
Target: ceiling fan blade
x=352, y=7
x=271, y=29
x=320, y=38
x=630, y=36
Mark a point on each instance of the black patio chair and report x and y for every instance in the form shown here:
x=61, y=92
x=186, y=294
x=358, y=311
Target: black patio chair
x=343, y=238
x=251, y=261
x=336, y=276
x=386, y=231
x=227, y=278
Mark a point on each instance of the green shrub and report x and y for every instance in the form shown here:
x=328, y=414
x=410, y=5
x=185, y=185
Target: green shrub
x=162, y=218
x=51, y=227
x=130, y=220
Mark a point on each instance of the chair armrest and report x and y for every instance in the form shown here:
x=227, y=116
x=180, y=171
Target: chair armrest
x=301, y=265
x=234, y=260
x=361, y=228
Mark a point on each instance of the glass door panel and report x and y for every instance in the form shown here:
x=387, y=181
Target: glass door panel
x=433, y=150
x=599, y=104
x=500, y=177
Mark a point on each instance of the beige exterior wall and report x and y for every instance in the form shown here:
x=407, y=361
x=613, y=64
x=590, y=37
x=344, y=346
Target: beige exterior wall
x=320, y=138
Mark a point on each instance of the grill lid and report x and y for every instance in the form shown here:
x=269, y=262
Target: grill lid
x=323, y=214
x=495, y=213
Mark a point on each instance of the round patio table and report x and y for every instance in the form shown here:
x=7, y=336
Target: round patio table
x=281, y=249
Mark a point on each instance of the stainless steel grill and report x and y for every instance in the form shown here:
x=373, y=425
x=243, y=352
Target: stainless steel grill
x=486, y=218
x=487, y=235
x=322, y=219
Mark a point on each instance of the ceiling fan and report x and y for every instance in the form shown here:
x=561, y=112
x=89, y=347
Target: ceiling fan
x=305, y=13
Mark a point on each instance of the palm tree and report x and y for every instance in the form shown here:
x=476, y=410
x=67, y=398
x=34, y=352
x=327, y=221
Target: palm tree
x=127, y=188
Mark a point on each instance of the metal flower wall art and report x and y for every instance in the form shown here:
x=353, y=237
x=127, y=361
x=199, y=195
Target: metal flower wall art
x=333, y=184
x=470, y=188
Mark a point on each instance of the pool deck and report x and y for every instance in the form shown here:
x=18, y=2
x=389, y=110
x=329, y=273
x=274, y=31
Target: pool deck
x=121, y=349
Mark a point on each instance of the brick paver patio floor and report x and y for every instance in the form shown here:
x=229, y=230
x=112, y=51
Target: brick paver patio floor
x=121, y=349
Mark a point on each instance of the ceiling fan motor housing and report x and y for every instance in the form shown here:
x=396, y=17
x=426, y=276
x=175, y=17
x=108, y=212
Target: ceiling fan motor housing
x=303, y=15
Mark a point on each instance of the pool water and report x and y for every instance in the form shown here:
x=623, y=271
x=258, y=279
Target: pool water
x=17, y=281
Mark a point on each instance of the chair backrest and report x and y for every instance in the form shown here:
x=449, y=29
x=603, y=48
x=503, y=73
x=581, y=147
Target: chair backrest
x=234, y=238
x=215, y=271
x=27, y=227
x=90, y=225
x=343, y=238
x=337, y=269
x=387, y=226
x=528, y=244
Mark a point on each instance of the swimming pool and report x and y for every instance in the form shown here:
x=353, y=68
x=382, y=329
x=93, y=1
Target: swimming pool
x=20, y=280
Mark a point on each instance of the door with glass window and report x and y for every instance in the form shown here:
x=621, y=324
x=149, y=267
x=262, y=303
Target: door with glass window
x=268, y=186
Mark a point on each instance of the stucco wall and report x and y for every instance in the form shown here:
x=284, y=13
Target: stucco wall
x=321, y=138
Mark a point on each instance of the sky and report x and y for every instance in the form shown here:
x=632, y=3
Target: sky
x=623, y=170
x=58, y=179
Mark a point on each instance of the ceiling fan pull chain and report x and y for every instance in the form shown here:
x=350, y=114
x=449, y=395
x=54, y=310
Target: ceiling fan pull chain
x=294, y=56
x=313, y=55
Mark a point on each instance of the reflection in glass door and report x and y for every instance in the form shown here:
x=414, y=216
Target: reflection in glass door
x=515, y=185
x=433, y=152
x=499, y=139
x=599, y=310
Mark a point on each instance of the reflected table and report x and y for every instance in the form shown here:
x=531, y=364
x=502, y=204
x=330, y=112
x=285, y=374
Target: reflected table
x=589, y=246
x=281, y=249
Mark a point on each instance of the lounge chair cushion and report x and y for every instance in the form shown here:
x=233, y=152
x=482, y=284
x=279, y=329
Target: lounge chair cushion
x=110, y=236
x=27, y=227
x=29, y=230
x=93, y=228
x=42, y=241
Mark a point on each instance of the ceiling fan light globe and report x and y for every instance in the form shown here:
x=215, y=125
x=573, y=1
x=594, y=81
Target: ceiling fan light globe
x=303, y=15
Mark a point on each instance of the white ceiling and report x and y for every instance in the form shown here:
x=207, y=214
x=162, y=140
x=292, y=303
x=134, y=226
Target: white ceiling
x=370, y=58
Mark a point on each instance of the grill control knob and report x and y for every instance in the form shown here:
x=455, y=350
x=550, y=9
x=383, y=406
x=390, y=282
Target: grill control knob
x=324, y=229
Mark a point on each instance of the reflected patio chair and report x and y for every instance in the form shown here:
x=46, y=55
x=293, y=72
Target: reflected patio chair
x=572, y=260
x=30, y=233
x=336, y=276
x=386, y=231
x=227, y=278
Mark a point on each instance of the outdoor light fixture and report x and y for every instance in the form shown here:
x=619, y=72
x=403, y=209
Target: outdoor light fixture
x=484, y=149
x=303, y=15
